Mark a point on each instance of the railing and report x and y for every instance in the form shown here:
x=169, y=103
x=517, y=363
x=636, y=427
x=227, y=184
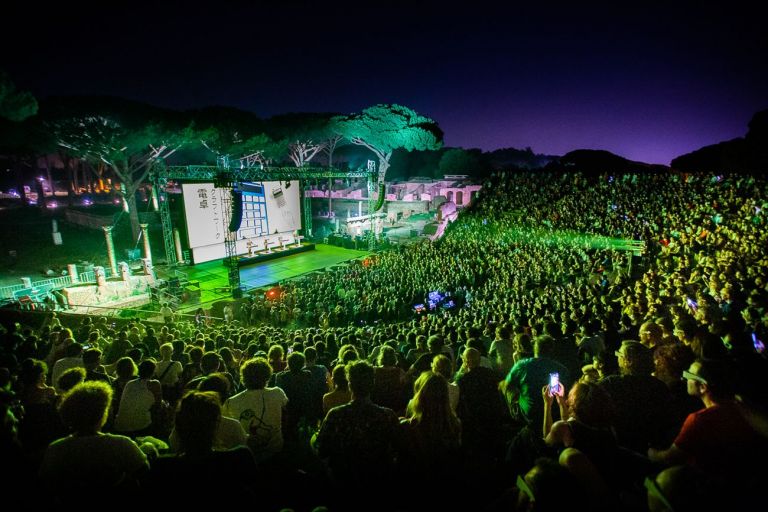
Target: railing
x=54, y=283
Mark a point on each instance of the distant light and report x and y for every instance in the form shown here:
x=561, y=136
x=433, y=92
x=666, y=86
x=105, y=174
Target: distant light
x=52, y=204
x=274, y=293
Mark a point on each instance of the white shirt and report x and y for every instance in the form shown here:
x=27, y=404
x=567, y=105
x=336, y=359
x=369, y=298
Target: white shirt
x=135, y=403
x=256, y=407
x=62, y=365
x=171, y=377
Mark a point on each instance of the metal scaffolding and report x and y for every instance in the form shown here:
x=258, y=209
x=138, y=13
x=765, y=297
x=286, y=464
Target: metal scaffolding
x=231, y=175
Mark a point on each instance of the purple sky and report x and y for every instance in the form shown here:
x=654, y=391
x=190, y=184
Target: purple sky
x=647, y=83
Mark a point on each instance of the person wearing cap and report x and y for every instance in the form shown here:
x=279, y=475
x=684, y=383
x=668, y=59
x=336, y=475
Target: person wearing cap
x=717, y=439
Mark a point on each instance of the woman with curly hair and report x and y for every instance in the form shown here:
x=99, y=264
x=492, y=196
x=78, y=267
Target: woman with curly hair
x=89, y=461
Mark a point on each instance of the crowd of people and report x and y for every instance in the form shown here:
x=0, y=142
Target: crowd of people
x=333, y=390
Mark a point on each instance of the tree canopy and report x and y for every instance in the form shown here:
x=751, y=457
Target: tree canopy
x=15, y=105
x=119, y=139
x=386, y=127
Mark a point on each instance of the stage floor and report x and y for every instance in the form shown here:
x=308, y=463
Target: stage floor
x=212, y=275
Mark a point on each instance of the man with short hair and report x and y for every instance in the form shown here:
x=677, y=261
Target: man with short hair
x=320, y=382
x=650, y=334
x=93, y=368
x=502, y=351
x=359, y=438
x=481, y=406
x=642, y=401
x=526, y=378
x=296, y=382
x=210, y=363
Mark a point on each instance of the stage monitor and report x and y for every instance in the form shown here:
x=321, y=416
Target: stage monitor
x=271, y=210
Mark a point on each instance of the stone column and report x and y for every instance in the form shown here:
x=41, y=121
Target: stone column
x=125, y=272
x=145, y=236
x=73, y=275
x=101, y=276
x=146, y=265
x=110, y=249
x=359, y=208
x=177, y=245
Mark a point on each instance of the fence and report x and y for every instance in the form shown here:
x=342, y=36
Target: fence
x=41, y=288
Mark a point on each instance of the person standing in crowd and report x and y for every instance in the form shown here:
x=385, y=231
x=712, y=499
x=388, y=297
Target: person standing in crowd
x=259, y=409
x=296, y=382
x=717, y=440
x=359, y=439
x=642, y=401
x=340, y=394
x=134, y=417
x=89, y=461
x=167, y=313
x=525, y=379
x=168, y=372
x=198, y=422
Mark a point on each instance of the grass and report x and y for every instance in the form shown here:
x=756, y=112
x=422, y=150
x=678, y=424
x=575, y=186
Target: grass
x=28, y=232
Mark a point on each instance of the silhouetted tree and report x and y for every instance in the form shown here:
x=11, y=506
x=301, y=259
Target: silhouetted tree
x=129, y=149
x=385, y=127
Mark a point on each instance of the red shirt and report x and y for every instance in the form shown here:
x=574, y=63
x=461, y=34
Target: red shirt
x=720, y=442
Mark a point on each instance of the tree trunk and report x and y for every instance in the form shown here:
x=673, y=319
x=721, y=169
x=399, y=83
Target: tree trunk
x=71, y=174
x=19, y=168
x=133, y=212
x=50, y=177
x=41, y=202
x=383, y=166
x=75, y=178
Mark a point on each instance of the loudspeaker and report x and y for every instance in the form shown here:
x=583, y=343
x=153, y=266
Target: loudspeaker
x=237, y=211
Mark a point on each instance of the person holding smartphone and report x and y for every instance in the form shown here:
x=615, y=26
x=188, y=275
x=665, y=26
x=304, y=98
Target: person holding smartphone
x=553, y=391
x=585, y=438
x=522, y=387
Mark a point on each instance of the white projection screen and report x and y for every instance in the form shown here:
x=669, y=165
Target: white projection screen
x=271, y=212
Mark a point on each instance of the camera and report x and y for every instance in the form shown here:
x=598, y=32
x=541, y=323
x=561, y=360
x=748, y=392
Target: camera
x=554, y=384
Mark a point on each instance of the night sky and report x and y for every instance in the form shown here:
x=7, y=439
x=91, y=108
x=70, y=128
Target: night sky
x=648, y=83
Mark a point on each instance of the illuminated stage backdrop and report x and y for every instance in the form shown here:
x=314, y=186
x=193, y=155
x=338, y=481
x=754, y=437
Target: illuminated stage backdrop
x=271, y=209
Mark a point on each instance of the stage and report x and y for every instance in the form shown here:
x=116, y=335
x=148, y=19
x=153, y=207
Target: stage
x=259, y=272
x=244, y=260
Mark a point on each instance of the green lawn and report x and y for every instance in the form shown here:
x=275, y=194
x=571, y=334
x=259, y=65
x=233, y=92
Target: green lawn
x=28, y=232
